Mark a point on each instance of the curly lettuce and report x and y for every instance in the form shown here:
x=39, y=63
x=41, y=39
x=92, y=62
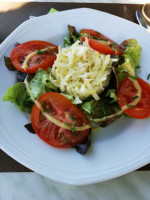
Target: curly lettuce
x=101, y=113
x=130, y=57
x=41, y=83
x=18, y=95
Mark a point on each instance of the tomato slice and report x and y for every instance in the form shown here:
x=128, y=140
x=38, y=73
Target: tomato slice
x=101, y=43
x=126, y=94
x=63, y=110
x=43, y=60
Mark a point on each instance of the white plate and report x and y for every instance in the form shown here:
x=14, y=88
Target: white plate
x=116, y=150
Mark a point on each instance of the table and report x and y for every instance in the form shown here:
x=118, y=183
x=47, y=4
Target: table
x=29, y=185
x=13, y=14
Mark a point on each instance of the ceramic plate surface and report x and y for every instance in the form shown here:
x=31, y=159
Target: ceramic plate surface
x=116, y=150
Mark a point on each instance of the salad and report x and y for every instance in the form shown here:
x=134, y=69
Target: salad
x=88, y=83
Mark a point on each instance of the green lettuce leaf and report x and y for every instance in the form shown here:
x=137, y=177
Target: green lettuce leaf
x=131, y=56
x=74, y=100
x=41, y=83
x=111, y=93
x=101, y=113
x=132, y=52
x=18, y=95
x=52, y=10
x=122, y=71
x=72, y=38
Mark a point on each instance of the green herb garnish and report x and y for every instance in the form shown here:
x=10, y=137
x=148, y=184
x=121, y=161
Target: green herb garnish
x=47, y=124
x=104, y=111
x=104, y=40
x=39, y=52
x=148, y=77
x=135, y=97
x=113, y=46
x=73, y=130
x=71, y=117
x=110, y=91
x=63, y=137
x=130, y=106
x=43, y=104
x=72, y=127
x=74, y=123
x=69, y=125
x=48, y=110
x=134, y=77
x=92, y=108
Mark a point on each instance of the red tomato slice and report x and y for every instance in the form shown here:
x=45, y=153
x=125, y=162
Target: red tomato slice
x=101, y=43
x=127, y=92
x=63, y=110
x=44, y=60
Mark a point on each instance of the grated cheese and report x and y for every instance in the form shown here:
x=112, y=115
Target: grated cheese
x=80, y=71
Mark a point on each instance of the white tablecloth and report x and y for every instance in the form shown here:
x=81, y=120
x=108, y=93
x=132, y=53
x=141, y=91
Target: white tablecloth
x=31, y=186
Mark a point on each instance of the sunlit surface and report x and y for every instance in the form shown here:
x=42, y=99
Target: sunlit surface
x=6, y=6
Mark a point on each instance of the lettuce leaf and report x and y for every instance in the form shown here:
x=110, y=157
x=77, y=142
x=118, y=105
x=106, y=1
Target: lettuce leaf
x=101, y=113
x=41, y=83
x=9, y=64
x=18, y=95
x=72, y=38
x=52, y=10
x=105, y=111
x=131, y=56
x=132, y=52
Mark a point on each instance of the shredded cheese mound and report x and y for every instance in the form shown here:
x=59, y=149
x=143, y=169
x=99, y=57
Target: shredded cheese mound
x=80, y=71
